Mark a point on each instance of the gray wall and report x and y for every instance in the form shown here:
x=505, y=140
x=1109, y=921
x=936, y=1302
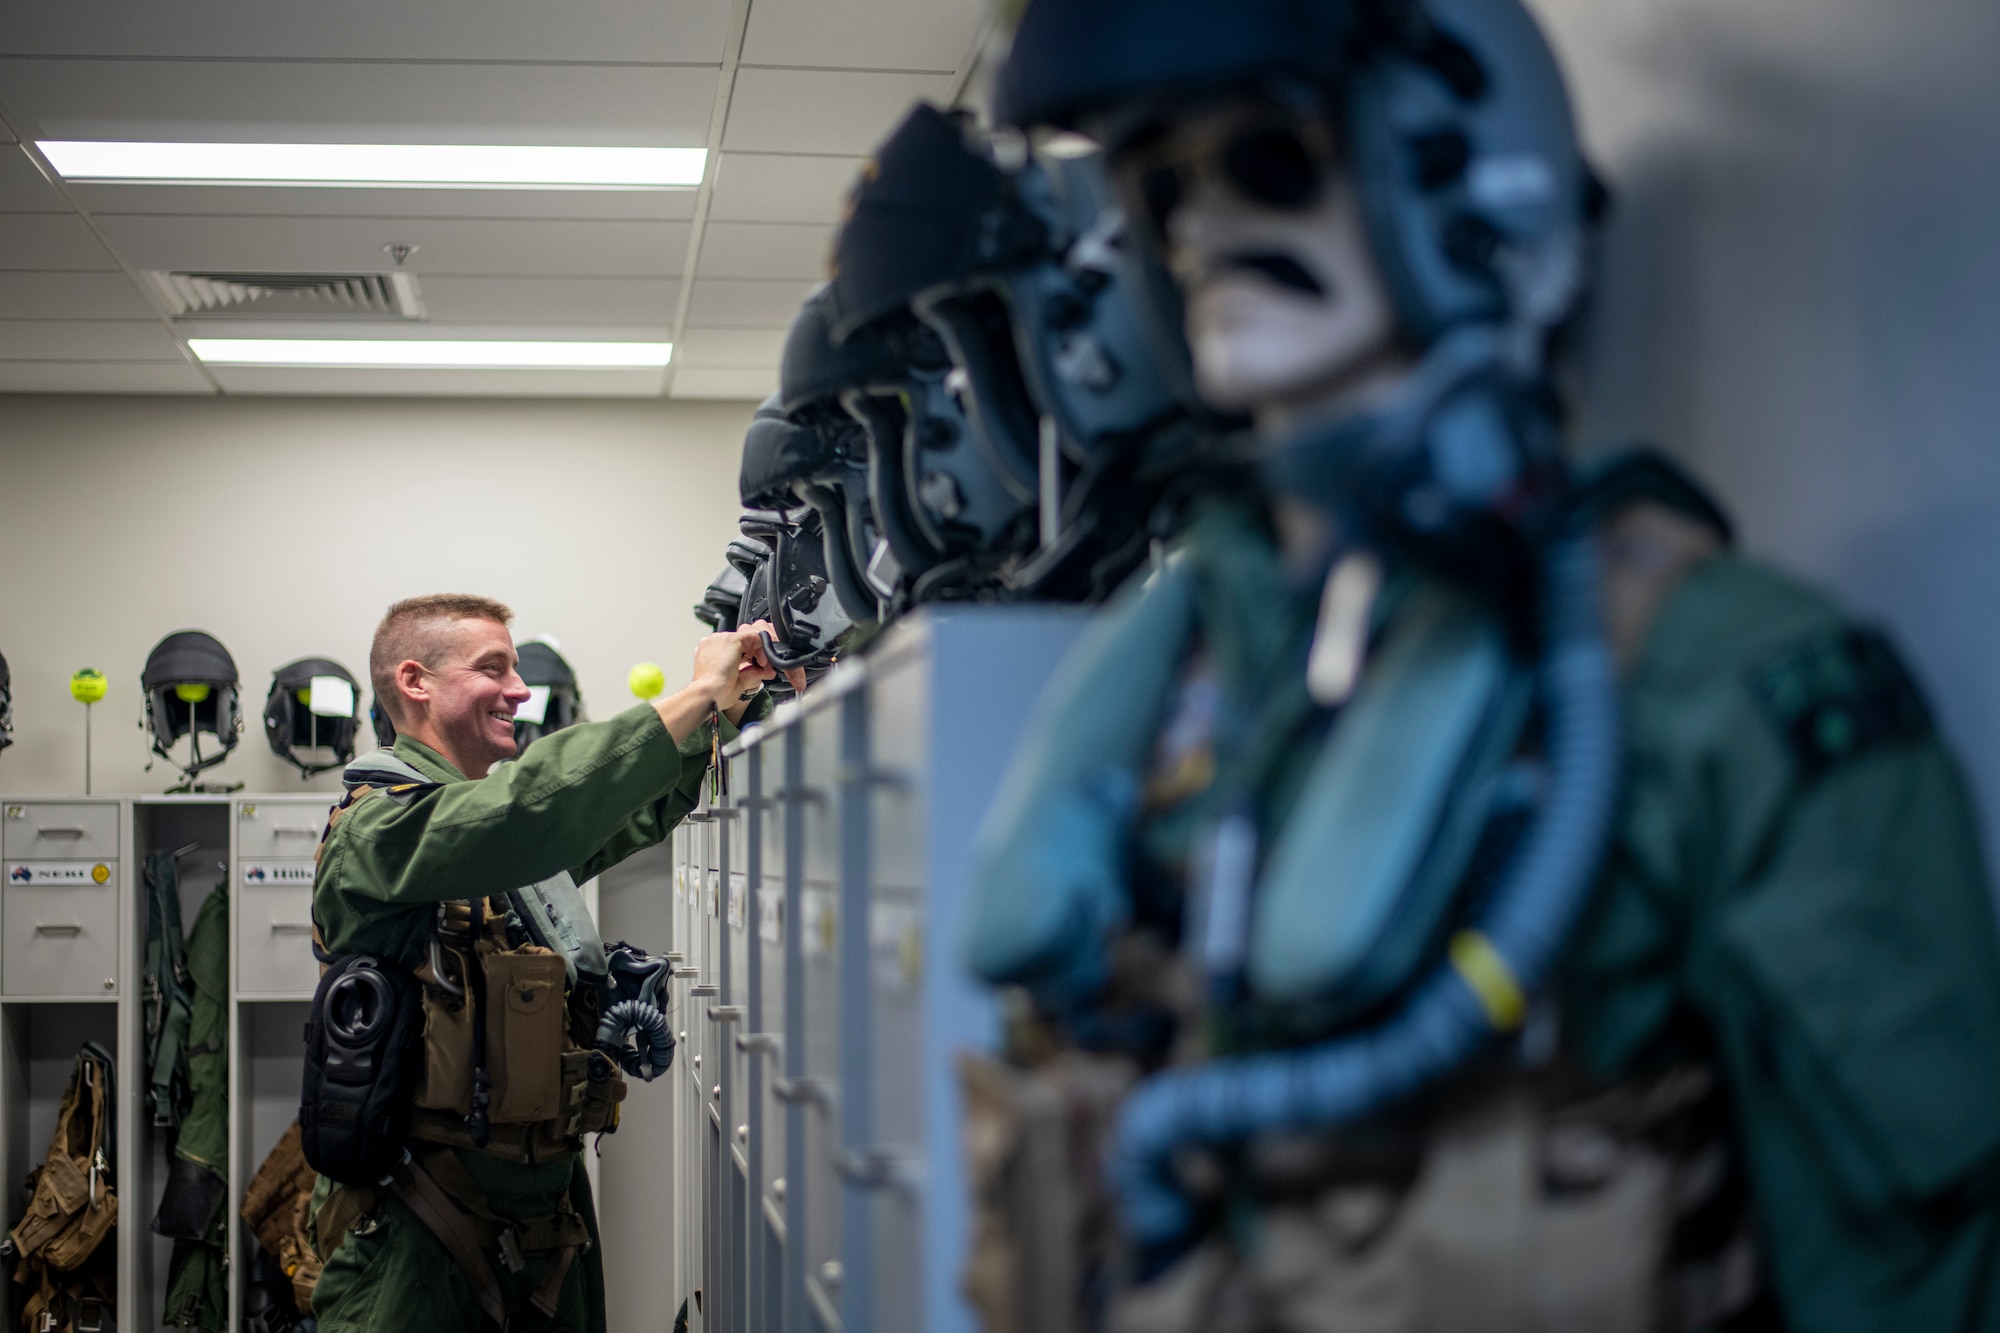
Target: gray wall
x=285, y=526
x=1802, y=295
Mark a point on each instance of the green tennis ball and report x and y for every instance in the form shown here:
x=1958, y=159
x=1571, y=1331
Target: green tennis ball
x=87, y=686
x=190, y=692
x=647, y=681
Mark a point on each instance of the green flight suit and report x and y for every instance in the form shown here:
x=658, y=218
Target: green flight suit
x=1816, y=899
x=197, y=1292
x=581, y=799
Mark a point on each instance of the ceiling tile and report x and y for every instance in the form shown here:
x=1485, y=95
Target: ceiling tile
x=820, y=111
x=100, y=377
x=355, y=245
x=259, y=201
x=49, y=240
x=550, y=300
x=758, y=348
x=862, y=34
x=284, y=102
x=718, y=382
x=612, y=30
x=781, y=187
x=765, y=250
x=72, y=296
x=23, y=188
x=443, y=383
x=727, y=302
x=86, y=340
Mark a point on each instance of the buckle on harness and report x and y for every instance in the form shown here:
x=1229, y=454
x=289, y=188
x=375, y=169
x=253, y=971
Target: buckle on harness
x=510, y=1250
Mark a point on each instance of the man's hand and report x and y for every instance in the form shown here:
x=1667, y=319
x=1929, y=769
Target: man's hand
x=727, y=667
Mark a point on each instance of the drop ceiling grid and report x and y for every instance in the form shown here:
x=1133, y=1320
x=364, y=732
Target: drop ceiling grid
x=819, y=83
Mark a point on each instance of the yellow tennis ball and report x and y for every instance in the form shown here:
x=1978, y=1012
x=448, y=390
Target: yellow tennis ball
x=304, y=696
x=647, y=681
x=190, y=691
x=87, y=686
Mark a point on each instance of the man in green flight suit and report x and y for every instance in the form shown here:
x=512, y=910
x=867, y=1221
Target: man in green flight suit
x=480, y=825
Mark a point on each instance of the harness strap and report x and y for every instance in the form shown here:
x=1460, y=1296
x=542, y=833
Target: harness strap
x=434, y=1208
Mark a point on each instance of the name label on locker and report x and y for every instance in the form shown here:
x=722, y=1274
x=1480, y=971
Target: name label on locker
x=736, y=891
x=771, y=915
x=816, y=905
x=71, y=874
x=278, y=872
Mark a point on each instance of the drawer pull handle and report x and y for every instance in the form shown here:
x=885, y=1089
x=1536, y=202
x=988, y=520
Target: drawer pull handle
x=294, y=830
x=724, y=1013
x=59, y=832
x=291, y=927
x=56, y=928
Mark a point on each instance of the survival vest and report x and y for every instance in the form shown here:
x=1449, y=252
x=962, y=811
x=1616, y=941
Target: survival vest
x=277, y=1207
x=169, y=993
x=61, y=1258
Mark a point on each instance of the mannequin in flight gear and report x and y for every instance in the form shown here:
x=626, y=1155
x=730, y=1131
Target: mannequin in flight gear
x=488, y=1220
x=1467, y=1043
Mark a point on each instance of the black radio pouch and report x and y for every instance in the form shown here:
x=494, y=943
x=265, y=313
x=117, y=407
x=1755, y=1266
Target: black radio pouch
x=364, y=1051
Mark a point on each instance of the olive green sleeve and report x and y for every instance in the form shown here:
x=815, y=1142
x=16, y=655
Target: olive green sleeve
x=567, y=799
x=652, y=824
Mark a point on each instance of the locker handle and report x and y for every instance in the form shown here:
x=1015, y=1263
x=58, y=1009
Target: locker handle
x=698, y=817
x=877, y=1169
x=59, y=832
x=758, y=1043
x=863, y=775
x=308, y=830
x=57, y=928
x=709, y=989
x=291, y=927
x=805, y=795
x=724, y=812
x=724, y=1013
x=803, y=1089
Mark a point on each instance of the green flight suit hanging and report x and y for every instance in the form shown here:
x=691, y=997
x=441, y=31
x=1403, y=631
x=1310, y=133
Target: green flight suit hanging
x=191, y=1207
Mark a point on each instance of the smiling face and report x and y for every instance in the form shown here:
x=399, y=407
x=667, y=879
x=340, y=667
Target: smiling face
x=462, y=702
x=1263, y=231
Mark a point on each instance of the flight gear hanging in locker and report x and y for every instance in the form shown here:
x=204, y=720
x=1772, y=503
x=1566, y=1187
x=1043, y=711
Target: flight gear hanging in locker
x=277, y=1207
x=169, y=993
x=192, y=1207
x=191, y=687
x=314, y=704
x=554, y=701
x=6, y=705
x=63, y=1250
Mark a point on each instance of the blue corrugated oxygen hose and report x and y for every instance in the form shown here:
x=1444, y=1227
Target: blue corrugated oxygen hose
x=1461, y=1004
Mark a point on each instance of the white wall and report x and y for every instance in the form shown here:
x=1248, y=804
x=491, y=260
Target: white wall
x=285, y=527
x=1802, y=295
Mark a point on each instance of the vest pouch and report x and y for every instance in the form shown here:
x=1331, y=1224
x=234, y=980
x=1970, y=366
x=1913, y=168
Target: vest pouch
x=447, y=1078
x=525, y=1022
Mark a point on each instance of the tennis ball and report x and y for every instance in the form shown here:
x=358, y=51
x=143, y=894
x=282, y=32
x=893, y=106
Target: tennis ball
x=647, y=681
x=190, y=691
x=87, y=686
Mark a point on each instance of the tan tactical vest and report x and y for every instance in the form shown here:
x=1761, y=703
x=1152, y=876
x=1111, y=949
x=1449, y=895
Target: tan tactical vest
x=59, y=1244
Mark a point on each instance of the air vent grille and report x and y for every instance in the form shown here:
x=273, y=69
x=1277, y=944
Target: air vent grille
x=290, y=296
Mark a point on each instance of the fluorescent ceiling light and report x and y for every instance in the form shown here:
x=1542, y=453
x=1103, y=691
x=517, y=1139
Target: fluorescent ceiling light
x=393, y=164
x=433, y=354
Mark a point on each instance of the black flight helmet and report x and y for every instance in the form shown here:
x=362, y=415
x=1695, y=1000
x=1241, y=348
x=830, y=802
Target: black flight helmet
x=313, y=707
x=6, y=705
x=555, y=701
x=191, y=687
x=721, y=604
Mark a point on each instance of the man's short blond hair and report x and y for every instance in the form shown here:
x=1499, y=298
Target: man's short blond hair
x=418, y=628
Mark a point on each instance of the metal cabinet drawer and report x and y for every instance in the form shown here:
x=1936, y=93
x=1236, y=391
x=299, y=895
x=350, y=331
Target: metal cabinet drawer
x=267, y=830
x=59, y=928
x=274, y=928
x=59, y=831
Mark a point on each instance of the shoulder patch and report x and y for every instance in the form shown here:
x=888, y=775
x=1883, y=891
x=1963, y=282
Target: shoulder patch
x=1839, y=694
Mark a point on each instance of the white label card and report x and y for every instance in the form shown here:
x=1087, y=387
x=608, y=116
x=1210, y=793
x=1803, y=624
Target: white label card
x=69, y=874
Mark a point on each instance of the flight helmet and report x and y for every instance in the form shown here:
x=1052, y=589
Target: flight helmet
x=313, y=706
